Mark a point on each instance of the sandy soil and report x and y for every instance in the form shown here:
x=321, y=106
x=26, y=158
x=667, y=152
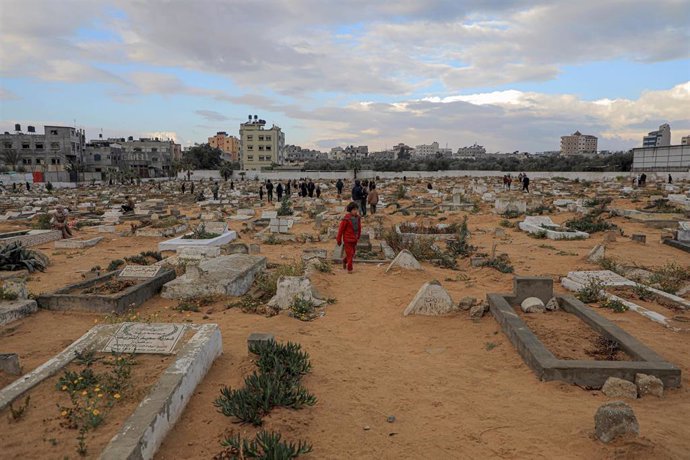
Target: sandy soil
x=457, y=388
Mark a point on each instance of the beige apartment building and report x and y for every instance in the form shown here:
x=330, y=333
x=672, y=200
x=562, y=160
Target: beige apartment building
x=230, y=145
x=260, y=147
x=578, y=143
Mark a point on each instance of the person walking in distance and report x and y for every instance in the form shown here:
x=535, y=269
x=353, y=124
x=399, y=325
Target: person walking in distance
x=525, y=183
x=261, y=193
x=269, y=190
x=339, y=187
x=358, y=194
x=373, y=198
x=279, y=191
x=349, y=231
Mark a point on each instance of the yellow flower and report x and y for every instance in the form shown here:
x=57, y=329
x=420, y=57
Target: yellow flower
x=63, y=413
x=96, y=412
x=64, y=387
x=116, y=396
x=81, y=378
x=97, y=389
x=84, y=393
x=100, y=395
x=76, y=381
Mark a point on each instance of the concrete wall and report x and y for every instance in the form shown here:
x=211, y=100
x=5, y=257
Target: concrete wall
x=669, y=158
x=335, y=175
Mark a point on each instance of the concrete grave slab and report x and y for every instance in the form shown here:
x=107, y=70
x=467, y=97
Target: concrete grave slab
x=225, y=275
x=12, y=310
x=74, y=243
x=182, y=241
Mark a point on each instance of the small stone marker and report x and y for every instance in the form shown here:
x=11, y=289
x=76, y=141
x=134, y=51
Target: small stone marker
x=215, y=227
x=619, y=388
x=140, y=271
x=597, y=253
x=157, y=338
x=404, y=260
x=639, y=238
x=432, y=300
x=532, y=305
x=613, y=420
x=256, y=338
x=9, y=363
x=649, y=385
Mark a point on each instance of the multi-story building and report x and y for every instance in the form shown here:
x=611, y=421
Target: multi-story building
x=146, y=157
x=471, y=151
x=578, y=143
x=104, y=155
x=426, y=150
x=685, y=140
x=260, y=147
x=659, y=138
x=230, y=145
x=296, y=154
x=53, y=151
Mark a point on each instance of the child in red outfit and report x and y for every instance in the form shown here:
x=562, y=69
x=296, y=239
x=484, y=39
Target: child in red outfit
x=349, y=232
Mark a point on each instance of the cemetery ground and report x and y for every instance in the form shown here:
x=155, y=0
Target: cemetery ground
x=388, y=385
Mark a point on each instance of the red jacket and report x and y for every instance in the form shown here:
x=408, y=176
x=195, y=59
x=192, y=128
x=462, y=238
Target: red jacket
x=350, y=229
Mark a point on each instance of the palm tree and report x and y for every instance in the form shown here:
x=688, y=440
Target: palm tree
x=226, y=170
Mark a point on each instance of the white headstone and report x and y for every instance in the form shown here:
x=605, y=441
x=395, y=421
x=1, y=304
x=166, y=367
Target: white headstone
x=140, y=271
x=156, y=338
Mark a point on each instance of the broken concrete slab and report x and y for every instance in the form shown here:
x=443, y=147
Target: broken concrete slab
x=225, y=275
x=12, y=310
x=290, y=288
x=431, y=300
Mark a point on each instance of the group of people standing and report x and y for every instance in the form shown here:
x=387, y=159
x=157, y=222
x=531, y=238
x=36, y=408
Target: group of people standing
x=522, y=178
x=305, y=188
x=364, y=193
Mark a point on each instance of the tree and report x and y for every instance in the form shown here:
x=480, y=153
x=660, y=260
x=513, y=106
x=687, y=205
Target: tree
x=226, y=170
x=203, y=157
x=11, y=157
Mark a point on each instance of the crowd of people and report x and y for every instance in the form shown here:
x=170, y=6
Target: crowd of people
x=521, y=178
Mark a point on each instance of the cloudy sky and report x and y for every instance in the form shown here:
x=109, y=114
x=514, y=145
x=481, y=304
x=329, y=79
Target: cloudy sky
x=508, y=74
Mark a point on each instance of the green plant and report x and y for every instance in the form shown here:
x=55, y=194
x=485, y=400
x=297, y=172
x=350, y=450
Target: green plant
x=614, y=304
x=14, y=256
x=265, y=446
x=670, y=277
x=590, y=223
x=459, y=245
x=86, y=358
x=303, y=309
x=196, y=303
x=285, y=209
x=591, y=292
x=43, y=222
x=547, y=246
x=145, y=258
x=267, y=282
x=272, y=240
x=490, y=346
x=511, y=214
x=201, y=234
x=501, y=263
x=539, y=235
x=642, y=293
x=115, y=264
x=505, y=223
x=609, y=263
x=323, y=266
x=7, y=295
x=400, y=192
x=277, y=383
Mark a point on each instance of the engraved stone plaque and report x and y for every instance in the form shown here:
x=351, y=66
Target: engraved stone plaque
x=140, y=271
x=157, y=338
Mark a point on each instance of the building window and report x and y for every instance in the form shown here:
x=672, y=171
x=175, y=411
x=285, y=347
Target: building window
x=39, y=146
x=261, y=138
x=8, y=145
x=39, y=161
x=55, y=145
x=53, y=161
x=250, y=137
x=250, y=147
x=26, y=145
x=26, y=161
x=268, y=138
x=268, y=147
x=261, y=147
x=154, y=149
x=53, y=132
x=97, y=157
x=137, y=149
x=250, y=158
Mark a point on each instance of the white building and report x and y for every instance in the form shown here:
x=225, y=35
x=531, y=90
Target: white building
x=578, y=143
x=260, y=147
x=426, y=150
x=659, y=138
x=471, y=151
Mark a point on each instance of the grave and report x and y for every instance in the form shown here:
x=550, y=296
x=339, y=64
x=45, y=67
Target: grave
x=537, y=225
x=143, y=432
x=225, y=275
x=185, y=241
x=280, y=225
x=584, y=373
x=30, y=238
x=431, y=300
x=576, y=280
x=510, y=206
x=77, y=243
x=437, y=232
x=139, y=284
x=682, y=237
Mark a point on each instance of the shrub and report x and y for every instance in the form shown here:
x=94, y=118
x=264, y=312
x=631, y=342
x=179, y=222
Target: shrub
x=115, y=264
x=43, y=222
x=285, y=209
x=15, y=256
x=277, y=383
x=266, y=445
x=591, y=292
x=303, y=309
x=400, y=192
x=670, y=277
x=589, y=223
x=267, y=282
x=500, y=263
x=614, y=304
x=200, y=233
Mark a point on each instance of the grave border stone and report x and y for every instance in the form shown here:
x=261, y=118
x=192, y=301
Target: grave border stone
x=584, y=373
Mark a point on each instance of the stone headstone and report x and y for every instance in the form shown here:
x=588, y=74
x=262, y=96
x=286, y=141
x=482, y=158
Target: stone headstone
x=404, y=260
x=613, y=420
x=552, y=305
x=466, y=303
x=215, y=227
x=156, y=338
x=619, y=388
x=314, y=253
x=597, y=253
x=256, y=338
x=269, y=215
x=432, y=300
x=9, y=363
x=140, y=271
x=478, y=310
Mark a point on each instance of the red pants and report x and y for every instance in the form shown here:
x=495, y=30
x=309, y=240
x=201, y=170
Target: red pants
x=350, y=249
